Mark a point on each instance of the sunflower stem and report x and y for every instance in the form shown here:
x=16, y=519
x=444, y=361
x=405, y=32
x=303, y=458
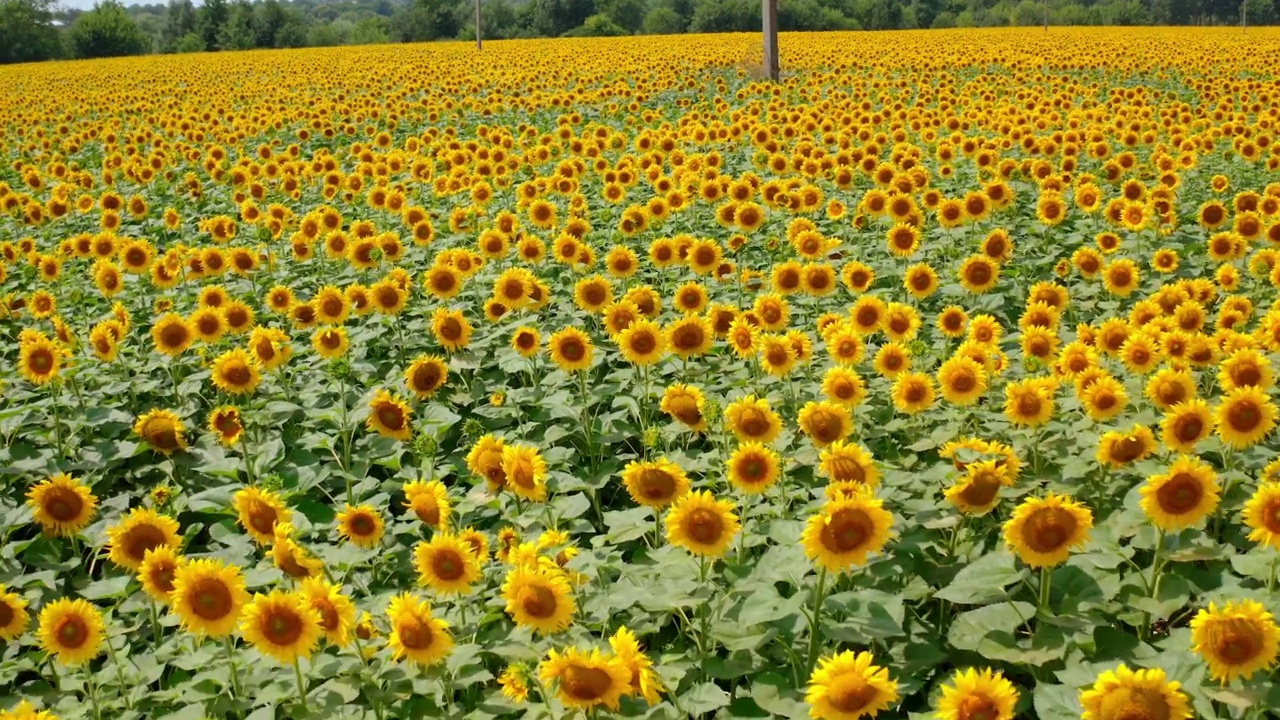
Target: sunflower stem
x=232, y=672
x=546, y=697
x=302, y=684
x=1153, y=588
x=657, y=527
x=1046, y=585
x=157, y=631
x=819, y=595
x=93, y=692
x=703, y=615
x=1271, y=581
x=124, y=687
x=246, y=452
x=57, y=419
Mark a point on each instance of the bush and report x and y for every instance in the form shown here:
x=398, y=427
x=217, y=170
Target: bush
x=189, y=43
x=663, y=21
x=598, y=25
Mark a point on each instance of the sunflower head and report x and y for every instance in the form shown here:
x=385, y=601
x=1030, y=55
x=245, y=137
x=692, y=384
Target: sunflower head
x=850, y=685
x=72, y=630
x=701, y=524
x=586, y=680
x=1237, y=639
x=1043, y=531
x=1125, y=694
x=62, y=505
x=281, y=625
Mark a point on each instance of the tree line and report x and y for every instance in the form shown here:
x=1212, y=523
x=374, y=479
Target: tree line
x=32, y=30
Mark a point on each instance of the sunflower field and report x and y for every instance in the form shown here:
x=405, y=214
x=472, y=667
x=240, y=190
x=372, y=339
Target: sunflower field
x=602, y=378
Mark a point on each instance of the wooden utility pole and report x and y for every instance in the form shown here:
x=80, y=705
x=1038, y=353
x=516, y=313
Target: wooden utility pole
x=769, y=9
x=479, y=42
x=1244, y=15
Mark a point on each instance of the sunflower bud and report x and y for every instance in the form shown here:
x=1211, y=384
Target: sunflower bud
x=472, y=428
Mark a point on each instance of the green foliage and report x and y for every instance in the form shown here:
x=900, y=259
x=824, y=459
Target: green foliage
x=106, y=31
x=598, y=25
x=189, y=43
x=663, y=20
x=26, y=31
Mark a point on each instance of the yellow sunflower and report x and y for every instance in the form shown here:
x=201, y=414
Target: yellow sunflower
x=13, y=614
x=702, y=524
x=361, y=525
x=163, y=431
x=226, y=424
x=962, y=380
x=446, y=564
x=259, y=511
x=642, y=342
x=978, y=492
x=1245, y=416
x=1186, y=424
x=1043, y=531
x=416, y=634
x=684, y=403
x=72, y=630
x=62, y=505
x=655, y=483
x=40, y=359
x=1262, y=514
x=913, y=392
x=159, y=567
x=976, y=694
x=336, y=611
x=825, y=422
x=208, y=596
x=1124, y=694
x=429, y=501
x=1236, y=640
x=141, y=530
x=849, y=685
x=330, y=342
x=539, y=598
x=753, y=467
x=845, y=531
x=1182, y=497
x=645, y=682
x=426, y=375
x=281, y=625
x=571, y=350
x=390, y=416
x=586, y=680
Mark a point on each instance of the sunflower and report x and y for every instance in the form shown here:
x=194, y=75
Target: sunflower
x=270, y=347
x=753, y=467
x=593, y=293
x=142, y=529
x=1182, y=497
x=903, y=240
x=259, y=511
x=642, y=342
x=446, y=564
x=867, y=313
x=953, y=321
x=72, y=630
x=426, y=375
x=979, y=273
x=1118, y=449
x=1028, y=402
x=415, y=633
x=962, y=380
x=689, y=336
x=361, y=525
x=1262, y=514
x=526, y=341
x=281, y=625
x=159, y=567
x=978, y=492
x=587, y=680
x=920, y=280
x=655, y=483
x=62, y=505
x=514, y=683
x=645, y=682
x=40, y=360
x=1245, y=416
x=1169, y=387
x=290, y=557
x=525, y=471
x=1236, y=640
x=571, y=350
x=913, y=392
x=390, y=416
x=208, y=324
x=485, y=460
x=13, y=614
x=429, y=501
x=701, y=524
x=451, y=329
x=1043, y=531
x=330, y=343
x=825, y=422
x=337, y=614
x=539, y=598
x=848, y=686
x=845, y=531
x=236, y=372
x=684, y=403
x=1124, y=694
x=1104, y=398
x=208, y=596
x=977, y=695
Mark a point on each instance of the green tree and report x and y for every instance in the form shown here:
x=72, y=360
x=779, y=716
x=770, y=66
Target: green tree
x=369, y=31
x=662, y=20
x=426, y=20
x=627, y=14
x=209, y=21
x=106, y=31
x=598, y=25
x=179, y=20
x=189, y=43
x=237, y=33
x=27, y=33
